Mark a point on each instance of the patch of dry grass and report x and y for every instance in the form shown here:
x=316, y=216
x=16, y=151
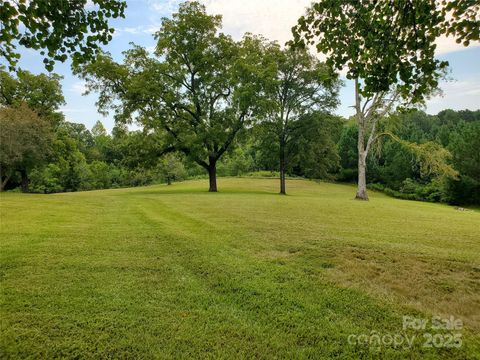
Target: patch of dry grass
x=434, y=286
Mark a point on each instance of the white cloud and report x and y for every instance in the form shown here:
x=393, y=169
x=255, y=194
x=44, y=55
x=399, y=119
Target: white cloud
x=274, y=19
x=271, y=18
x=164, y=7
x=89, y=5
x=457, y=95
x=448, y=44
x=68, y=110
x=79, y=87
x=142, y=29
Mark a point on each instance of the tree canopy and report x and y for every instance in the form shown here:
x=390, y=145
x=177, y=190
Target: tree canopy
x=301, y=86
x=204, y=100
x=58, y=29
x=24, y=139
x=387, y=48
x=461, y=20
x=42, y=93
x=199, y=90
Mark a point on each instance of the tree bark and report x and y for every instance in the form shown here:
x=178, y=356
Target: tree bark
x=362, y=153
x=282, y=169
x=212, y=174
x=3, y=181
x=25, y=181
x=362, y=167
x=169, y=180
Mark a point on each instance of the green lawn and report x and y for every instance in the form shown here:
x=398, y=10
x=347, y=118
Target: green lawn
x=175, y=271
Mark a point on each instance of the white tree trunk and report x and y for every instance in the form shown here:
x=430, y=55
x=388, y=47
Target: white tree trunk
x=362, y=166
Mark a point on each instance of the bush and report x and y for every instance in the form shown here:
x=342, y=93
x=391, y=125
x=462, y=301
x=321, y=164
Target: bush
x=46, y=180
x=376, y=187
x=263, y=174
x=101, y=175
x=238, y=162
x=463, y=191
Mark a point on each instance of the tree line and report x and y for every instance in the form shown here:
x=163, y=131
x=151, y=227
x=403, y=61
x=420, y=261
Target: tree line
x=202, y=93
x=42, y=152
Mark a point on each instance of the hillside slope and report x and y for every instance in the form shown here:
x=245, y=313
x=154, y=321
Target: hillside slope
x=169, y=271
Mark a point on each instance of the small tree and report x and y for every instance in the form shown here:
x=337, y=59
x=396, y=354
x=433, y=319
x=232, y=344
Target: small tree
x=171, y=168
x=102, y=148
x=23, y=142
x=387, y=49
x=301, y=85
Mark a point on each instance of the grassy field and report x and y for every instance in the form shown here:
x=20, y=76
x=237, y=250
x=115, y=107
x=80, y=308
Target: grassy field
x=175, y=271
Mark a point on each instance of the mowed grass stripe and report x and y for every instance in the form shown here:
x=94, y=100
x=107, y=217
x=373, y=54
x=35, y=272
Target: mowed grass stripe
x=175, y=271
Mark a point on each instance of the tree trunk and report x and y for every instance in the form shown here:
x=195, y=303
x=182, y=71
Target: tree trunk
x=282, y=169
x=212, y=174
x=362, y=167
x=3, y=182
x=25, y=181
x=169, y=181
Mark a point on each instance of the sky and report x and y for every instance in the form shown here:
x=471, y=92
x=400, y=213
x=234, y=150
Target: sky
x=271, y=18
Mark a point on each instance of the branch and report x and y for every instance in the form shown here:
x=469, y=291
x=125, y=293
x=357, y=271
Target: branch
x=231, y=136
x=358, y=102
x=185, y=149
x=430, y=156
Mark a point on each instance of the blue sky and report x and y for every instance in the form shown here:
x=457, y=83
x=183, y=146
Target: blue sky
x=273, y=19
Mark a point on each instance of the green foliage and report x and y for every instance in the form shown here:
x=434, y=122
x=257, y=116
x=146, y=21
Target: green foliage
x=445, y=144
x=24, y=141
x=462, y=20
x=73, y=169
x=348, y=152
x=171, y=168
x=386, y=44
x=314, y=147
x=387, y=48
x=196, y=94
x=47, y=180
x=100, y=174
x=57, y=28
x=432, y=159
x=465, y=144
x=42, y=93
x=296, y=132
x=81, y=159
x=262, y=174
x=237, y=162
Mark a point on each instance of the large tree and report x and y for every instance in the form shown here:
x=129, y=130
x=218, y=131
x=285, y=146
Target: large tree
x=57, y=28
x=386, y=47
x=301, y=85
x=19, y=96
x=42, y=93
x=24, y=137
x=199, y=89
